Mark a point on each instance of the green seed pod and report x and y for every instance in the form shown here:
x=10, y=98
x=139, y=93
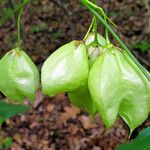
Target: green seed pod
x=81, y=97
x=91, y=37
x=19, y=77
x=94, y=49
x=66, y=69
x=117, y=86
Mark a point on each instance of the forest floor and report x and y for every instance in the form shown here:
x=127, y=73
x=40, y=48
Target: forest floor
x=53, y=123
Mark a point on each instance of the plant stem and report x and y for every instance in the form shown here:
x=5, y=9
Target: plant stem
x=90, y=6
x=89, y=30
x=19, y=32
x=95, y=30
x=95, y=26
x=106, y=32
x=24, y=2
x=11, y=13
x=107, y=35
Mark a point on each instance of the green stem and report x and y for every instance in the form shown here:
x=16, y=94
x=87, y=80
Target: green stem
x=90, y=6
x=24, y=2
x=107, y=34
x=89, y=30
x=95, y=26
x=95, y=30
x=11, y=13
x=19, y=28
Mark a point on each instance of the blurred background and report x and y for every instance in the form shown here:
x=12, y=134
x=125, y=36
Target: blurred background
x=54, y=123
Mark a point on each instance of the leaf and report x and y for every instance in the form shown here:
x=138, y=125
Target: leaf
x=9, y=110
x=143, y=46
x=8, y=142
x=36, y=29
x=118, y=87
x=66, y=69
x=142, y=142
x=1, y=120
x=1, y=147
x=69, y=112
x=11, y=12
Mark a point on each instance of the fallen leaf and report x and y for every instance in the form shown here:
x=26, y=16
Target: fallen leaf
x=70, y=113
x=86, y=122
x=50, y=107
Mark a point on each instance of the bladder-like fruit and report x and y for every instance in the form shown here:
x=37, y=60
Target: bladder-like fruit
x=66, y=69
x=19, y=77
x=118, y=87
x=81, y=97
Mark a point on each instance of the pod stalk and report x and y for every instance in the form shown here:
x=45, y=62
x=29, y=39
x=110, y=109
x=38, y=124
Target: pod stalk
x=93, y=9
x=19, y=28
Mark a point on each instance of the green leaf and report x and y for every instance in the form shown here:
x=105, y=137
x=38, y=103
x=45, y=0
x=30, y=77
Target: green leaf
x=1, y=147
x=9, y=110
x=66, y=69
x=35, y=29
x=8, y=142
x=10, y=12
x=142, y=142
x=118, y=87
x=1, y=120
x=143, y=46
x=57, y=34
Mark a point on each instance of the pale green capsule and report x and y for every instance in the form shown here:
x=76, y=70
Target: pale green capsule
x=66, y=69
x=81, y=97
x=19, y=77
x=117, y=86
x=91, y=38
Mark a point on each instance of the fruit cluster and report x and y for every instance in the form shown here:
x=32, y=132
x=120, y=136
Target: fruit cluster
x=100, y=78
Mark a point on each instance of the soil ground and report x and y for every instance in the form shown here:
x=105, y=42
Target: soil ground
x=53, y=123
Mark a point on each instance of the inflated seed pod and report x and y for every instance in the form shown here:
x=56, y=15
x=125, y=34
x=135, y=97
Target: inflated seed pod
x=66, y=69
x=19, y=77
x=81, y=97
x=118, y=87
x=91, y=37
